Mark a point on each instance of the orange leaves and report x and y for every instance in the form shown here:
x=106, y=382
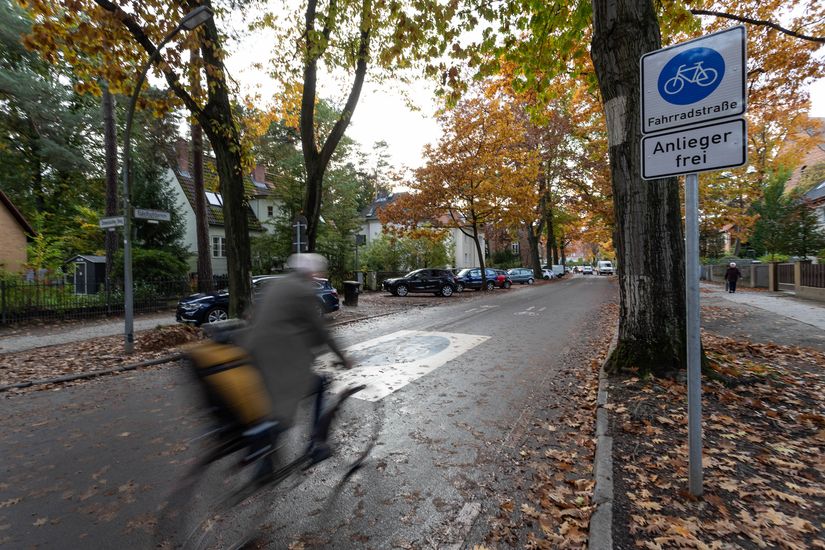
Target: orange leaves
x=479, y=170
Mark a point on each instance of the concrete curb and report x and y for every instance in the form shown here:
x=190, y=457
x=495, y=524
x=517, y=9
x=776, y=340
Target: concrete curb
x=91, y=374
x=601, y=522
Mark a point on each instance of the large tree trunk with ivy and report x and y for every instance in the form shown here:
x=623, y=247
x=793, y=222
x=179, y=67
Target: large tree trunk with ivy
x=648, y=234
x=110, y=153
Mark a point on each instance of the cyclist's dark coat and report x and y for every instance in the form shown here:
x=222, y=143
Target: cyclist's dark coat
x=285, y=328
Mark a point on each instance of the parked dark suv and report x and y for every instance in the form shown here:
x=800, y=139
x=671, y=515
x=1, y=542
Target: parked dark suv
x=437, y=281
x=471, y=278
x=212, y=307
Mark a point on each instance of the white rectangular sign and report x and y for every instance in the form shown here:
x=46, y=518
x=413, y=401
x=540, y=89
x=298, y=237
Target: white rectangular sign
x=114, y=221
x=699, y=149
x=146, y=214
x=694, y=82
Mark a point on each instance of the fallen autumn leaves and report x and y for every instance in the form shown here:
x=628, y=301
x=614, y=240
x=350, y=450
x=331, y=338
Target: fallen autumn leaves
x=91, y=355
x=764, y=436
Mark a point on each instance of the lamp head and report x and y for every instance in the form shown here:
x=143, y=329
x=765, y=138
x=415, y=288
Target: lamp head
x=196, y=18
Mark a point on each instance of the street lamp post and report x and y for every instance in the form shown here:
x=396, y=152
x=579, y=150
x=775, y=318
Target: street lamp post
x=191, y=20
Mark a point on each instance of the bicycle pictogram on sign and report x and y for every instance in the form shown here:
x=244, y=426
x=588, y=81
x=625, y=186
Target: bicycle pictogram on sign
x=691, y=76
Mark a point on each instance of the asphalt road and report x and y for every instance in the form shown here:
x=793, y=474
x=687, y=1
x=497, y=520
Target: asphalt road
x=88, y=465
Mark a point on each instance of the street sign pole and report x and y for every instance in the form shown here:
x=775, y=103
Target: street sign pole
x=694, y=349
x=300, y=225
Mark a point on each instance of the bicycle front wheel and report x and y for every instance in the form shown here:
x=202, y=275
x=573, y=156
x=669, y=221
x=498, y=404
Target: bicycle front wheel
x=213, y=506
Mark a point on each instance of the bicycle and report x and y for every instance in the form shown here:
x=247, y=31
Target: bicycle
x=695, y=74
x=220, y=501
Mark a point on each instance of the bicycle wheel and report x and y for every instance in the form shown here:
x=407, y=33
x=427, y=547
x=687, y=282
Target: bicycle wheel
x=214, y=505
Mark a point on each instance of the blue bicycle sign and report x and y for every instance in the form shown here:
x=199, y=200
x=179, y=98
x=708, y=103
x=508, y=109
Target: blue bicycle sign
x=691, y=76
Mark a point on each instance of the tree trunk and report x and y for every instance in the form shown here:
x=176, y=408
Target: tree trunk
x=205, y=283
x=204, y=261
x=533, y=242
x=648, y=234
x=317, y=159
x=238, y=258
x=551, y=237
x=110, y=153
x=480, y=257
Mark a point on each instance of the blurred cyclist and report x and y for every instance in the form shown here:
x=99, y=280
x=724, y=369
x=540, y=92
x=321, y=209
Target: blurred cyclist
x=283, y=340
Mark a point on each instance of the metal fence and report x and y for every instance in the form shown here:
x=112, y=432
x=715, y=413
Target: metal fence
x=37, y=300
x=813, y=275
x=785, y=276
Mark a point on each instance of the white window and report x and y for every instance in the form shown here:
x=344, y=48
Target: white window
x=214, y=199
x=218, y=247
x=515, y=248
x=270, y=211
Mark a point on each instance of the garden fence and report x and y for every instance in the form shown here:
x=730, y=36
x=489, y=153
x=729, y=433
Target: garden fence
x=22, y=301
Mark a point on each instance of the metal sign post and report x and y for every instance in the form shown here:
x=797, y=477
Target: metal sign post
x=694, y=345
x=693, y=95
x=300, y=244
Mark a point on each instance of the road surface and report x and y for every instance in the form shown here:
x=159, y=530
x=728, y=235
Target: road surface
x=457, y=387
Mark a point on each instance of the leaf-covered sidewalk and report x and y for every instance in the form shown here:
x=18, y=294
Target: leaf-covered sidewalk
x=764, y=437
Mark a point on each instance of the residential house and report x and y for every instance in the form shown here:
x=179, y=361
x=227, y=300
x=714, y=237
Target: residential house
x=464, y=248
x=816, y=199
x=15, y=233
x=816, y=155
x=263, y=204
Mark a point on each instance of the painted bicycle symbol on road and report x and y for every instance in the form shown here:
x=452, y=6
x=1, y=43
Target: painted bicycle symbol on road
x=691, y=76
x=695, y=74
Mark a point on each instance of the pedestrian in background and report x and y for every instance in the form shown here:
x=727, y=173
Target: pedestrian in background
x=731, y=276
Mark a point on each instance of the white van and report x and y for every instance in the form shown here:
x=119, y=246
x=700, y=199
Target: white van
x=604, y=267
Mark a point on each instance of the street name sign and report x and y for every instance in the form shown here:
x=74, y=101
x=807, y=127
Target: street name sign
x=112, y=222
x=696, y=149
x=147, y=214
x=694, y=82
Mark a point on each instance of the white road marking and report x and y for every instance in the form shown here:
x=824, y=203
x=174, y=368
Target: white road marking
x=388, y=363
x=531, y=307
x=542, y=308
x=471, y=310
x=487, y=307
x=528, y=313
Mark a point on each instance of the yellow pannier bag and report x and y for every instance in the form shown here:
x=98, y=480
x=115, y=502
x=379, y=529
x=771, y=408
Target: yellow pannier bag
x=231, y=380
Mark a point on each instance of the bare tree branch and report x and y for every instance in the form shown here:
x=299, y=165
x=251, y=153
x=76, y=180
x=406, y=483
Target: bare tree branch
x=741, y=19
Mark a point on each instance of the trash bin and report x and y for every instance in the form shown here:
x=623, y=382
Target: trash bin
x=351, y=290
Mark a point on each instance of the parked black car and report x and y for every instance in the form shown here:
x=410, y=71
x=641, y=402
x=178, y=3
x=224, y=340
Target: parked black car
x=212, y=307
x=437, y=281
x=471, y=278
